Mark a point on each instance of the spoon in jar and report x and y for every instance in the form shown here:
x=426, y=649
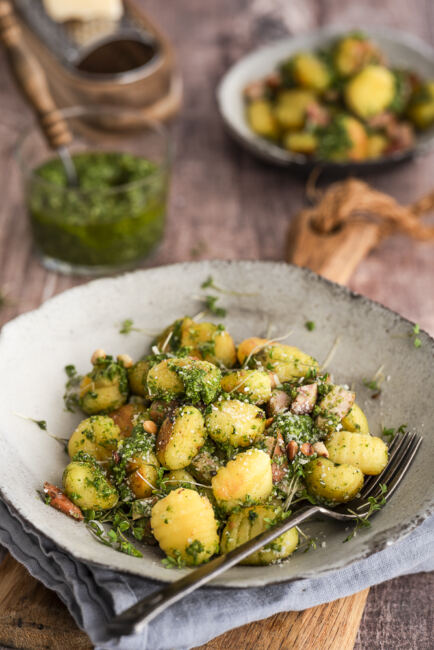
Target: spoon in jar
x=31, y=80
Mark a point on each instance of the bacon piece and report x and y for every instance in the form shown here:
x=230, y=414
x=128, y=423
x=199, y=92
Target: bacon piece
x=317, y=115
x=401, y=136
x=273, y=80
x=60, y=501
x=204, y=466
x=335, y=405
x=305, y=399
x=270, y=443
x=255, y=90
x=279, y=402
x=382, y=120
x=278, y=468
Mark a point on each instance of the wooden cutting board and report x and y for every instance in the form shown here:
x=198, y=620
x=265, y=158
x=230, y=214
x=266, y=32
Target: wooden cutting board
x=32, y=617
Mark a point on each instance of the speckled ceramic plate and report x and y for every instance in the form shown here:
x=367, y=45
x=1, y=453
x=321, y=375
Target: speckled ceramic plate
x=401, y=49
x=35, y=347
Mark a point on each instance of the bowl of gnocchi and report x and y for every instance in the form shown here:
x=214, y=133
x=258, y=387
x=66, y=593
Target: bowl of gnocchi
x=338, y=98
x=155, y=435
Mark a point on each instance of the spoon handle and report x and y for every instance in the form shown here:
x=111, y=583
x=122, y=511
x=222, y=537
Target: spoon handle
x=31, y=79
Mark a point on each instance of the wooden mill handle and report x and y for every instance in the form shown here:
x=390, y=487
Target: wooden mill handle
x=31, y=79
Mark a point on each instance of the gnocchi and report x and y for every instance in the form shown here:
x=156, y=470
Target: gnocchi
x=342, y=103
x=235, y=423
x=97, y=435
x=366, y=452
x=246, y=478
x=87, y=485
x=184, y=525
x=331, y=482
x=249, y=522
x=180, y=437
x=200, y=445
x=255, y=385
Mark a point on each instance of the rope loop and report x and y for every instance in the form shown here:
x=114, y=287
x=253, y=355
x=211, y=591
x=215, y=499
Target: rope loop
x=354, y=199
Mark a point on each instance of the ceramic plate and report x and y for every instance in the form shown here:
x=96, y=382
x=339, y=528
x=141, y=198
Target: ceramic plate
x=35, y=347
x=401, y=49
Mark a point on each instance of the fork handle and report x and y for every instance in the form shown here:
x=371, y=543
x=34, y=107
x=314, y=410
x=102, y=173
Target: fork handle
x=136, y=617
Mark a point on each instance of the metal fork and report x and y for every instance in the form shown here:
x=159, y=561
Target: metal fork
x=401, y=453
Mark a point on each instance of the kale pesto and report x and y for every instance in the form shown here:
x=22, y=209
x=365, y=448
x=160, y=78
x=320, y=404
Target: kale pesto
x=200, y=384
x=299, y=428
x=114, y=218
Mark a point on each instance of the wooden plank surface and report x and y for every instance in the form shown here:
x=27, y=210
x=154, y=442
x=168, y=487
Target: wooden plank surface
x=225, y=204
x=33, y=617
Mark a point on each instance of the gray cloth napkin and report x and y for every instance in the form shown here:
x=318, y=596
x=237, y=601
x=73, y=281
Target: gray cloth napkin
x=92, y=594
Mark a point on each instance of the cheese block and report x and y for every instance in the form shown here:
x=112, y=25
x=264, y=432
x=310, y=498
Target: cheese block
x=62, y=10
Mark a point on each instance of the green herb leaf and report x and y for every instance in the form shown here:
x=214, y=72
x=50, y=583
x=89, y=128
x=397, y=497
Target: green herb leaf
x=371, y=384
x=209, y=282
x=210, y=302
x=375, y=503
x=127, y=326
x=310, y=325
x=173, y=562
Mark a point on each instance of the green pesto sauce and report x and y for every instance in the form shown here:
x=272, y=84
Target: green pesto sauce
x=295, y=427
x=115, y=216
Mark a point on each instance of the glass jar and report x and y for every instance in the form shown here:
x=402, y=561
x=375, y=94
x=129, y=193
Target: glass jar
x=115, y=216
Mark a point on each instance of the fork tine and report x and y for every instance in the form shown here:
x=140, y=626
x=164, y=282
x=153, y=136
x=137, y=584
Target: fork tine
x=386, y=475
x=403, y=468
x=393, y=448
x=396, y=476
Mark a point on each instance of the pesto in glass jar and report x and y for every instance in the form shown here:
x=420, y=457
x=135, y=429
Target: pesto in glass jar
x=114, y=217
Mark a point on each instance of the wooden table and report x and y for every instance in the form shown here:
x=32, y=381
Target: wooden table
x=225, y=204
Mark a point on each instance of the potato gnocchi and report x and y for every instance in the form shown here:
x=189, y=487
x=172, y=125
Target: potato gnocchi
x=342, y=103
x=200, y=445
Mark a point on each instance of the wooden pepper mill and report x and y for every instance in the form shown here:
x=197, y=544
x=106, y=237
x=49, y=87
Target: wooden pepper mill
x=31, y=79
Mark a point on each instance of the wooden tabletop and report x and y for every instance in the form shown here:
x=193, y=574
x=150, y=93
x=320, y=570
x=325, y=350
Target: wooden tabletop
x=225, y=204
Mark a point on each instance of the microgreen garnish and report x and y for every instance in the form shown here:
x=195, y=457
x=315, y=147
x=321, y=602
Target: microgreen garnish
x=362, y=521
x=416, y=340
x=114, y=537
x=374, y=383
x=210, y=284
x=71, y=396
x=308, y=542
x=309, y=325
x=371, y=384
x=42, y=424
x=175, y=562
x=127, y=326
x=210, y=302
x=392, y=432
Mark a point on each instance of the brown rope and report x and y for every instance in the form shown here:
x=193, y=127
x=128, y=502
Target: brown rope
x=353, y=199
